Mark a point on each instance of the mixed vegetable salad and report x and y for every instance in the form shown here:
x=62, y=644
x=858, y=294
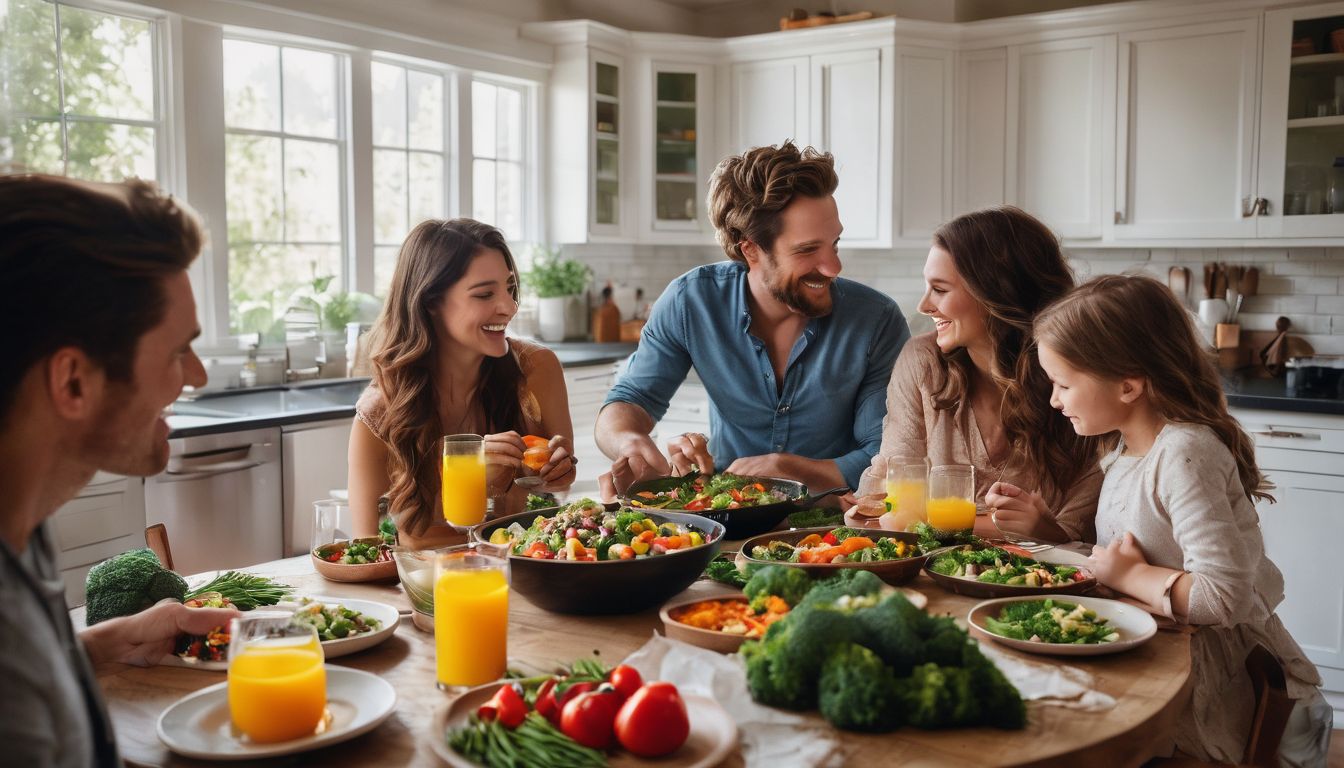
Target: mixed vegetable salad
x=701, y=492
x=586, y=531
x=840, y=545
x=332, y=622
x=996, y=566
x=1051, y=621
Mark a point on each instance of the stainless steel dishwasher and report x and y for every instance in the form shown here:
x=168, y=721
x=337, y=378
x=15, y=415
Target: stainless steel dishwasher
x=219, y=498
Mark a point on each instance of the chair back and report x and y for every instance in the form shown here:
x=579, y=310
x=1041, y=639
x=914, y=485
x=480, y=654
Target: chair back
x=156, y=538
x=1272, y=708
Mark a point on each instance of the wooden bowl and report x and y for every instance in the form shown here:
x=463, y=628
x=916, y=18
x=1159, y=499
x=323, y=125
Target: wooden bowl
x=894, y=572
x=714, y=640
x=350, y=573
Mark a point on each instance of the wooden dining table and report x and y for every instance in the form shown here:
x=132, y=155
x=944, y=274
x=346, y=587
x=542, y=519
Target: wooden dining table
x=1150, y=684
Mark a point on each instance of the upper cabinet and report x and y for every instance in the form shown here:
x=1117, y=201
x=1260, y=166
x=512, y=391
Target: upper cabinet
x=769, y=102
x=851, y=119
x=1185, y=131
x=1302, y=123
x=675, y=148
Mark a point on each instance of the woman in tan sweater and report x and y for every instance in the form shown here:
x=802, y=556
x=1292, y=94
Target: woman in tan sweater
x=971, y=392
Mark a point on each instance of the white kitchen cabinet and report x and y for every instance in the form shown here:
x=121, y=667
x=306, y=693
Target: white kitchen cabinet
x=587, y=387
x=769, y=102
x=688, y=411
x=1061, y=97
x=675, y=148
x=1297, y=144
x=980, y=154
x=314, y=463
x=1303, y=456
x=923, y=143
x=1185, y=131
x=105, y=519
x=851, y=119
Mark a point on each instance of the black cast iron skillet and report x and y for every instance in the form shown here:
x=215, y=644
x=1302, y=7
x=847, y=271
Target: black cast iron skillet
x=744, y=522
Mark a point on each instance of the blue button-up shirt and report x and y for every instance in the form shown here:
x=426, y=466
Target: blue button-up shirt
x=834, y=394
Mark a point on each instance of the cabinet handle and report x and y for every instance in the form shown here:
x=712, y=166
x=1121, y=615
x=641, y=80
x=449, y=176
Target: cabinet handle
x=1285, y=433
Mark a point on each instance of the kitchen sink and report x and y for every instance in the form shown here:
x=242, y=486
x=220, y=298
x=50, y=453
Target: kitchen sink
x=295, y=398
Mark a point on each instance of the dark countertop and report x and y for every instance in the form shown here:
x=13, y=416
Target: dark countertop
x=1271, y=395
x=322, y=400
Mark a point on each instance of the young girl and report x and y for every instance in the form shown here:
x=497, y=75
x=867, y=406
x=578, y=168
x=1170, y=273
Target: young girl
x=1177, y=529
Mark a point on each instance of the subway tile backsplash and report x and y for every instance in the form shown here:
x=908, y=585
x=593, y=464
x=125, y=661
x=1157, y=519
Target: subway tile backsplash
x=1306, y=285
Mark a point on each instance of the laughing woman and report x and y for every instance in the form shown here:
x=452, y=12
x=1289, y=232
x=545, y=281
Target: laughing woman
x=442, y=365
x=971, y=392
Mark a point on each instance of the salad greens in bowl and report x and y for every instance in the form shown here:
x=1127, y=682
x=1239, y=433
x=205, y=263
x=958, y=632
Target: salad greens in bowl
x=1067, y=625
x=587, y=559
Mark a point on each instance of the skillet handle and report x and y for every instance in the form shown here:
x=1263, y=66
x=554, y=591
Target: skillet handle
x=808, y=501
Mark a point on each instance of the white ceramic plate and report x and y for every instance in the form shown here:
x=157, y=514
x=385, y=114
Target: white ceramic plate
x=198, y=725
x=713, y=733
x=1134, y=624
x=331, y=649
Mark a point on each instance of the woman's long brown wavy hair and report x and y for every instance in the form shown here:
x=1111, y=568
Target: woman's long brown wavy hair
x=434, y=256
x=1012, y=265
x=1131, y=326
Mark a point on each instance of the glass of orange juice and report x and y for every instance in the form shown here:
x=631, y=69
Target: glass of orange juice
x=906, y=484
x=277, y=684
x=463, y=481
x=951, y=503
x=471, y=614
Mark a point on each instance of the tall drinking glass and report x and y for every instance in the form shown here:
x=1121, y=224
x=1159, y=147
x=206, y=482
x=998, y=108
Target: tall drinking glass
x=906, y=485
x=463, y=480
x=951, y=504
x=471, y=615
x=277, y=684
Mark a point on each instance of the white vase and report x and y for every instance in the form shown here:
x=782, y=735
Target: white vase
x=551, y=315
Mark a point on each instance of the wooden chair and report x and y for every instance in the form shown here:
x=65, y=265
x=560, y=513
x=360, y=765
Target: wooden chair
x=156, y=538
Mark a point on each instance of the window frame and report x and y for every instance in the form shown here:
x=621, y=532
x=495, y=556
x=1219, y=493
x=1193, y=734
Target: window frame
x=531, y=175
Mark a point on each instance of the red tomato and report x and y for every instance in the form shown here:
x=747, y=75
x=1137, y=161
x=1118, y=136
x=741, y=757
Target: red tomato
x=563, y=697
x=829, y=538
x=653, y=722
x=546, y=705
x=507, y=706
x=590, y=717
x=695, y=505
x=626, y=680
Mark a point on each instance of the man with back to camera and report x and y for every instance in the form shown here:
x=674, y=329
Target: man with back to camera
x=794, y=358
x=101, y=320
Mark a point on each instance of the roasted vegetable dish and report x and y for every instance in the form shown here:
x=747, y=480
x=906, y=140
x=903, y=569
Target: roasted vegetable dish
x=586, y=531
x=721, y=491
x=840, y=545
x=992, y=565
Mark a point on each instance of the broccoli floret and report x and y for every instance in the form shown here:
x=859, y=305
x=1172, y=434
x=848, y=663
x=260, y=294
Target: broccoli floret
x=944, y=641
x=782, y=668
x=788, y=584
x=1000, y=703
x=723, y=570
x=890, y=629
x=849, y=581
x=938, y=697
x=845, y=532
x=857, y=691
x=127, y=584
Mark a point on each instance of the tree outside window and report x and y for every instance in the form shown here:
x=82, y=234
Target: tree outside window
x=78, y=92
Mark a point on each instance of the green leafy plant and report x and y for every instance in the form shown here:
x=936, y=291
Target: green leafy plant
x=333, y=309
x=552, y=276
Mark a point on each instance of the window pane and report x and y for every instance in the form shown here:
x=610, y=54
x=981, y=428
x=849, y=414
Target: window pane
x=483, y=190
x=28, y=57
x=34, y=146
x=384, y=265
x=483, y=119
x=389, y=105
x=254, y=188
x=109, y=151
x=426, y=187
x=251, y=85
x=108, y=65
x=312, y=191
x=426, y=110
x=263, y=278
x=510, y=124
x=509, y=205
x=389, y=195
x=310, y=92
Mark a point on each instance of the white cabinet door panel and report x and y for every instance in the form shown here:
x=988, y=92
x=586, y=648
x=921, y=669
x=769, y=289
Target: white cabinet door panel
x=982, y=113
x=848, y=105
x=769, y=102
x=923, y=141
x=315, y=463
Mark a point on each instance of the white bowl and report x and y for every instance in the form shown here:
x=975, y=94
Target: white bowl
x=1134, y=624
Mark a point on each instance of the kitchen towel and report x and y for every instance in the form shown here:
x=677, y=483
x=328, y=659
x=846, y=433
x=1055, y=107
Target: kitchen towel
x=1050, y=684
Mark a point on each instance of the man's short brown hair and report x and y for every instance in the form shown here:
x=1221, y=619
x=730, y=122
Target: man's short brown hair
x=82, y=265
x=748, y=192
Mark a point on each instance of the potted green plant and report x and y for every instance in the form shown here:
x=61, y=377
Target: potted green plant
x=558, y=283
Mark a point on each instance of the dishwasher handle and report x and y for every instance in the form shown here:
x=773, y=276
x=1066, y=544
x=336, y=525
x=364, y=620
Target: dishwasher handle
x=222, y=462
x=211, y=470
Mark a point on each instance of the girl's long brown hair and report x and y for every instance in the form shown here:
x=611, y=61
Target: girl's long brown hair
x=434, y=256
x=1012, y=265
x=1131, y=326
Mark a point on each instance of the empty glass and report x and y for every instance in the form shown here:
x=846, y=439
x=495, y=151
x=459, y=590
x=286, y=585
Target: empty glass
x=331, y=522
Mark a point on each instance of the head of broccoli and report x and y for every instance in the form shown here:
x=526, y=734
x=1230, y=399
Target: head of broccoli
x=783, y=666
x=127, y=584
x=785, y=582
x=857, y=692
x=854, y=582
x=891, y=630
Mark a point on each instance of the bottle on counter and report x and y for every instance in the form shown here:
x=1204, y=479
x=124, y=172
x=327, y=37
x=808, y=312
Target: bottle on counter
x=607, y=319
x=247, y=377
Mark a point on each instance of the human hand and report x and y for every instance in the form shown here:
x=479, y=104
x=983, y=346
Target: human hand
x=1025, y=513
x=503, y=458
x=687, y=449
x=143, y=639
x=562, y=466
x=640, y=459
x=1115, y=565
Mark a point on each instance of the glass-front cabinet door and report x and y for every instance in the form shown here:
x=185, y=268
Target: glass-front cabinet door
x=1302, y=123
x=607, y=144
x=676, y=187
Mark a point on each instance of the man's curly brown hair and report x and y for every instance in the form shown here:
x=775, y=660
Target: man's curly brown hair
x=749, y=192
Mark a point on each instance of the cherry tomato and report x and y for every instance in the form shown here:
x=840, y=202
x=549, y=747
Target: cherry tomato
x=589, y=718
x=546, y=705
x=653, y=722
x=506, y=705
x=626, y=680
x=563, y=697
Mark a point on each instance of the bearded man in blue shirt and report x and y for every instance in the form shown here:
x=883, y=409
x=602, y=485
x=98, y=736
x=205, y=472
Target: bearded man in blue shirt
x=795, y=359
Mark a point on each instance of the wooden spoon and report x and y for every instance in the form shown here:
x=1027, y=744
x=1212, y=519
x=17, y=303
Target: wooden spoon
x=1178, y=280
x=1250, y=281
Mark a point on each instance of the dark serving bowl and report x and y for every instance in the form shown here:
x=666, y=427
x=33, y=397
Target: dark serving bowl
x=608, y=586
x=985, y=589
x=743, y=522
x=893, y=572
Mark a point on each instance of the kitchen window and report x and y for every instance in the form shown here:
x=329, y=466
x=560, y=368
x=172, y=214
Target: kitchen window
x=285, y=177
x=81, y=92
x=499, y=130
x=409, y=159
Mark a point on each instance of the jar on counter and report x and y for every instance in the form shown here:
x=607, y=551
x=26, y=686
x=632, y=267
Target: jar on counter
x=1335, y=193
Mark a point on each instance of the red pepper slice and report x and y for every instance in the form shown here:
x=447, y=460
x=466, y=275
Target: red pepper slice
x=506, y=705
x=736, y=494
x=829, y=538
x=695, y=505
x=546, y=705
